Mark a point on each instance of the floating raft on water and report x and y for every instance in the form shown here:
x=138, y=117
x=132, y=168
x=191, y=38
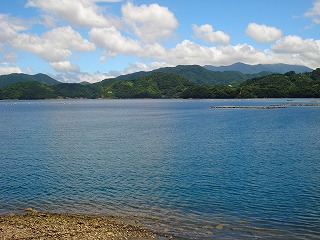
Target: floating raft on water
x=250, y=107
x=272, y=106
x=298, y=105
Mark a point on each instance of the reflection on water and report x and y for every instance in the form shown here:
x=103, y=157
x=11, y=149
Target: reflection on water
x=176, y=166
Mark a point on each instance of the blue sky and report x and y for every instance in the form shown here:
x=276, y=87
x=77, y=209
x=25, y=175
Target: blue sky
x=90, y=40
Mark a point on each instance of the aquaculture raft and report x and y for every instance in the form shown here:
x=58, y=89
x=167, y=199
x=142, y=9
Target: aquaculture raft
x=250, y=107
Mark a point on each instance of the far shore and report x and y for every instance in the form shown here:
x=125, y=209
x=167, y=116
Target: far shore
x=37, y=225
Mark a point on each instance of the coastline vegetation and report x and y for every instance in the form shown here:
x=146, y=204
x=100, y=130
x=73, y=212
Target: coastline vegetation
x=170, y=85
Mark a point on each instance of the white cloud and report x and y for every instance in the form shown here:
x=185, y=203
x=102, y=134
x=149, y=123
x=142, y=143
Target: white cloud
x=65, y=66
x=16, y=24
x=9, y=69
x=295, y=44
x=314, y=12
x=149, y=22
x=206, y=33
x=9, y=26
x=135, y=67
x=106, y=0
x=48, y=20
x=72, y=77
x=84, y=13
x=307, y=50
x=8, y=57
x=94, y=77
x=263, y=33
x=157, y=65
x=114, y=41
x=287, y=50
x=189, y=52
x=54, y=45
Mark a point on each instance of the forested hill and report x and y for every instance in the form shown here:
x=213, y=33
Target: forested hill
x=251, y=69
x=283, y=85
x=154, y=85
x=21, y=77
x=169, y=85
x=200, y=75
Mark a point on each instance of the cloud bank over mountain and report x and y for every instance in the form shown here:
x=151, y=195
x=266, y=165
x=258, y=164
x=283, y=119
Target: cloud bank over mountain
x=73, y=38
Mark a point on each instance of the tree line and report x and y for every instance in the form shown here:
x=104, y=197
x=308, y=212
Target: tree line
x=168, y=85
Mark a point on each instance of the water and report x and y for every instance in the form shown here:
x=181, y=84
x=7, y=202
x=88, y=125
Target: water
x=176, y=166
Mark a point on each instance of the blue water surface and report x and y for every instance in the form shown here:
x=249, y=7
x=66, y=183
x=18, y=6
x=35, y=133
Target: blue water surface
x=176, y=166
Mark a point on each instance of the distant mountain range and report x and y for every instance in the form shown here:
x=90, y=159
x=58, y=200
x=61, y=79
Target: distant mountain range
x=200, y=75
x=21, y=77
x=234, y=74
x=169, y=85
x=157, y=84
x=252, y=69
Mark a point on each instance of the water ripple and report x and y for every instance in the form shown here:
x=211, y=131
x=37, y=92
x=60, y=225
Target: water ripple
x=175, y=166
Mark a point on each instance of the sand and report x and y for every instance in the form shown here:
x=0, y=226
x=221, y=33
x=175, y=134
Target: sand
x=36, y=225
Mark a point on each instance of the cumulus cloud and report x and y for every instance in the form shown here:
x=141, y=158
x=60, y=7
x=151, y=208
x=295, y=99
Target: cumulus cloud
x=307, y=50
x=9, y=69
x=65, y=66
x=54, y=45
x=135, y=67
x=9, y=26
x=157, y=65
x=314, y=12
x=114, y=41
x=106, y=0
x=94, y=77
x=188, y=52
x=48, y=20
x=149, y=22
x=83, y=13
x=206, y=33
x=290, y=50
x=8, y=57
x=73, y=77
x=263, y=33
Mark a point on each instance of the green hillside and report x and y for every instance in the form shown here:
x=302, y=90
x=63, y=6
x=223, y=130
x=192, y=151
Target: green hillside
x=169, y=85
x=283, y=85
x=76, y=90
x=154, y=85
x=251, y=69
x=27, y=90
x=200, y=75
x=21, y=77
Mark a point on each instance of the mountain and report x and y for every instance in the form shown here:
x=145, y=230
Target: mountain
x=200, y=75
x=27, y=90
x=304, y=85
x=252, y=69
x=21, y=77
x=153, y=85
x=169, y=85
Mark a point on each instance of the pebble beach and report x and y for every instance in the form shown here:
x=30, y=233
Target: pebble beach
x=36, y=225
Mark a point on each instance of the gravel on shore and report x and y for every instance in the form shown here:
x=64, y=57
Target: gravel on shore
x=36, y=225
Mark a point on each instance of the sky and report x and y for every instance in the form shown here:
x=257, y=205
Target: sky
x=91, y=40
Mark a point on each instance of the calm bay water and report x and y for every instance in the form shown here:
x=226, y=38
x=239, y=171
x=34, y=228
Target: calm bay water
x=176, y=166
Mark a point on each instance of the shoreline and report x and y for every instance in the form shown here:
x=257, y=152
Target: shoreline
x=39, y=225
x=289, y=99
